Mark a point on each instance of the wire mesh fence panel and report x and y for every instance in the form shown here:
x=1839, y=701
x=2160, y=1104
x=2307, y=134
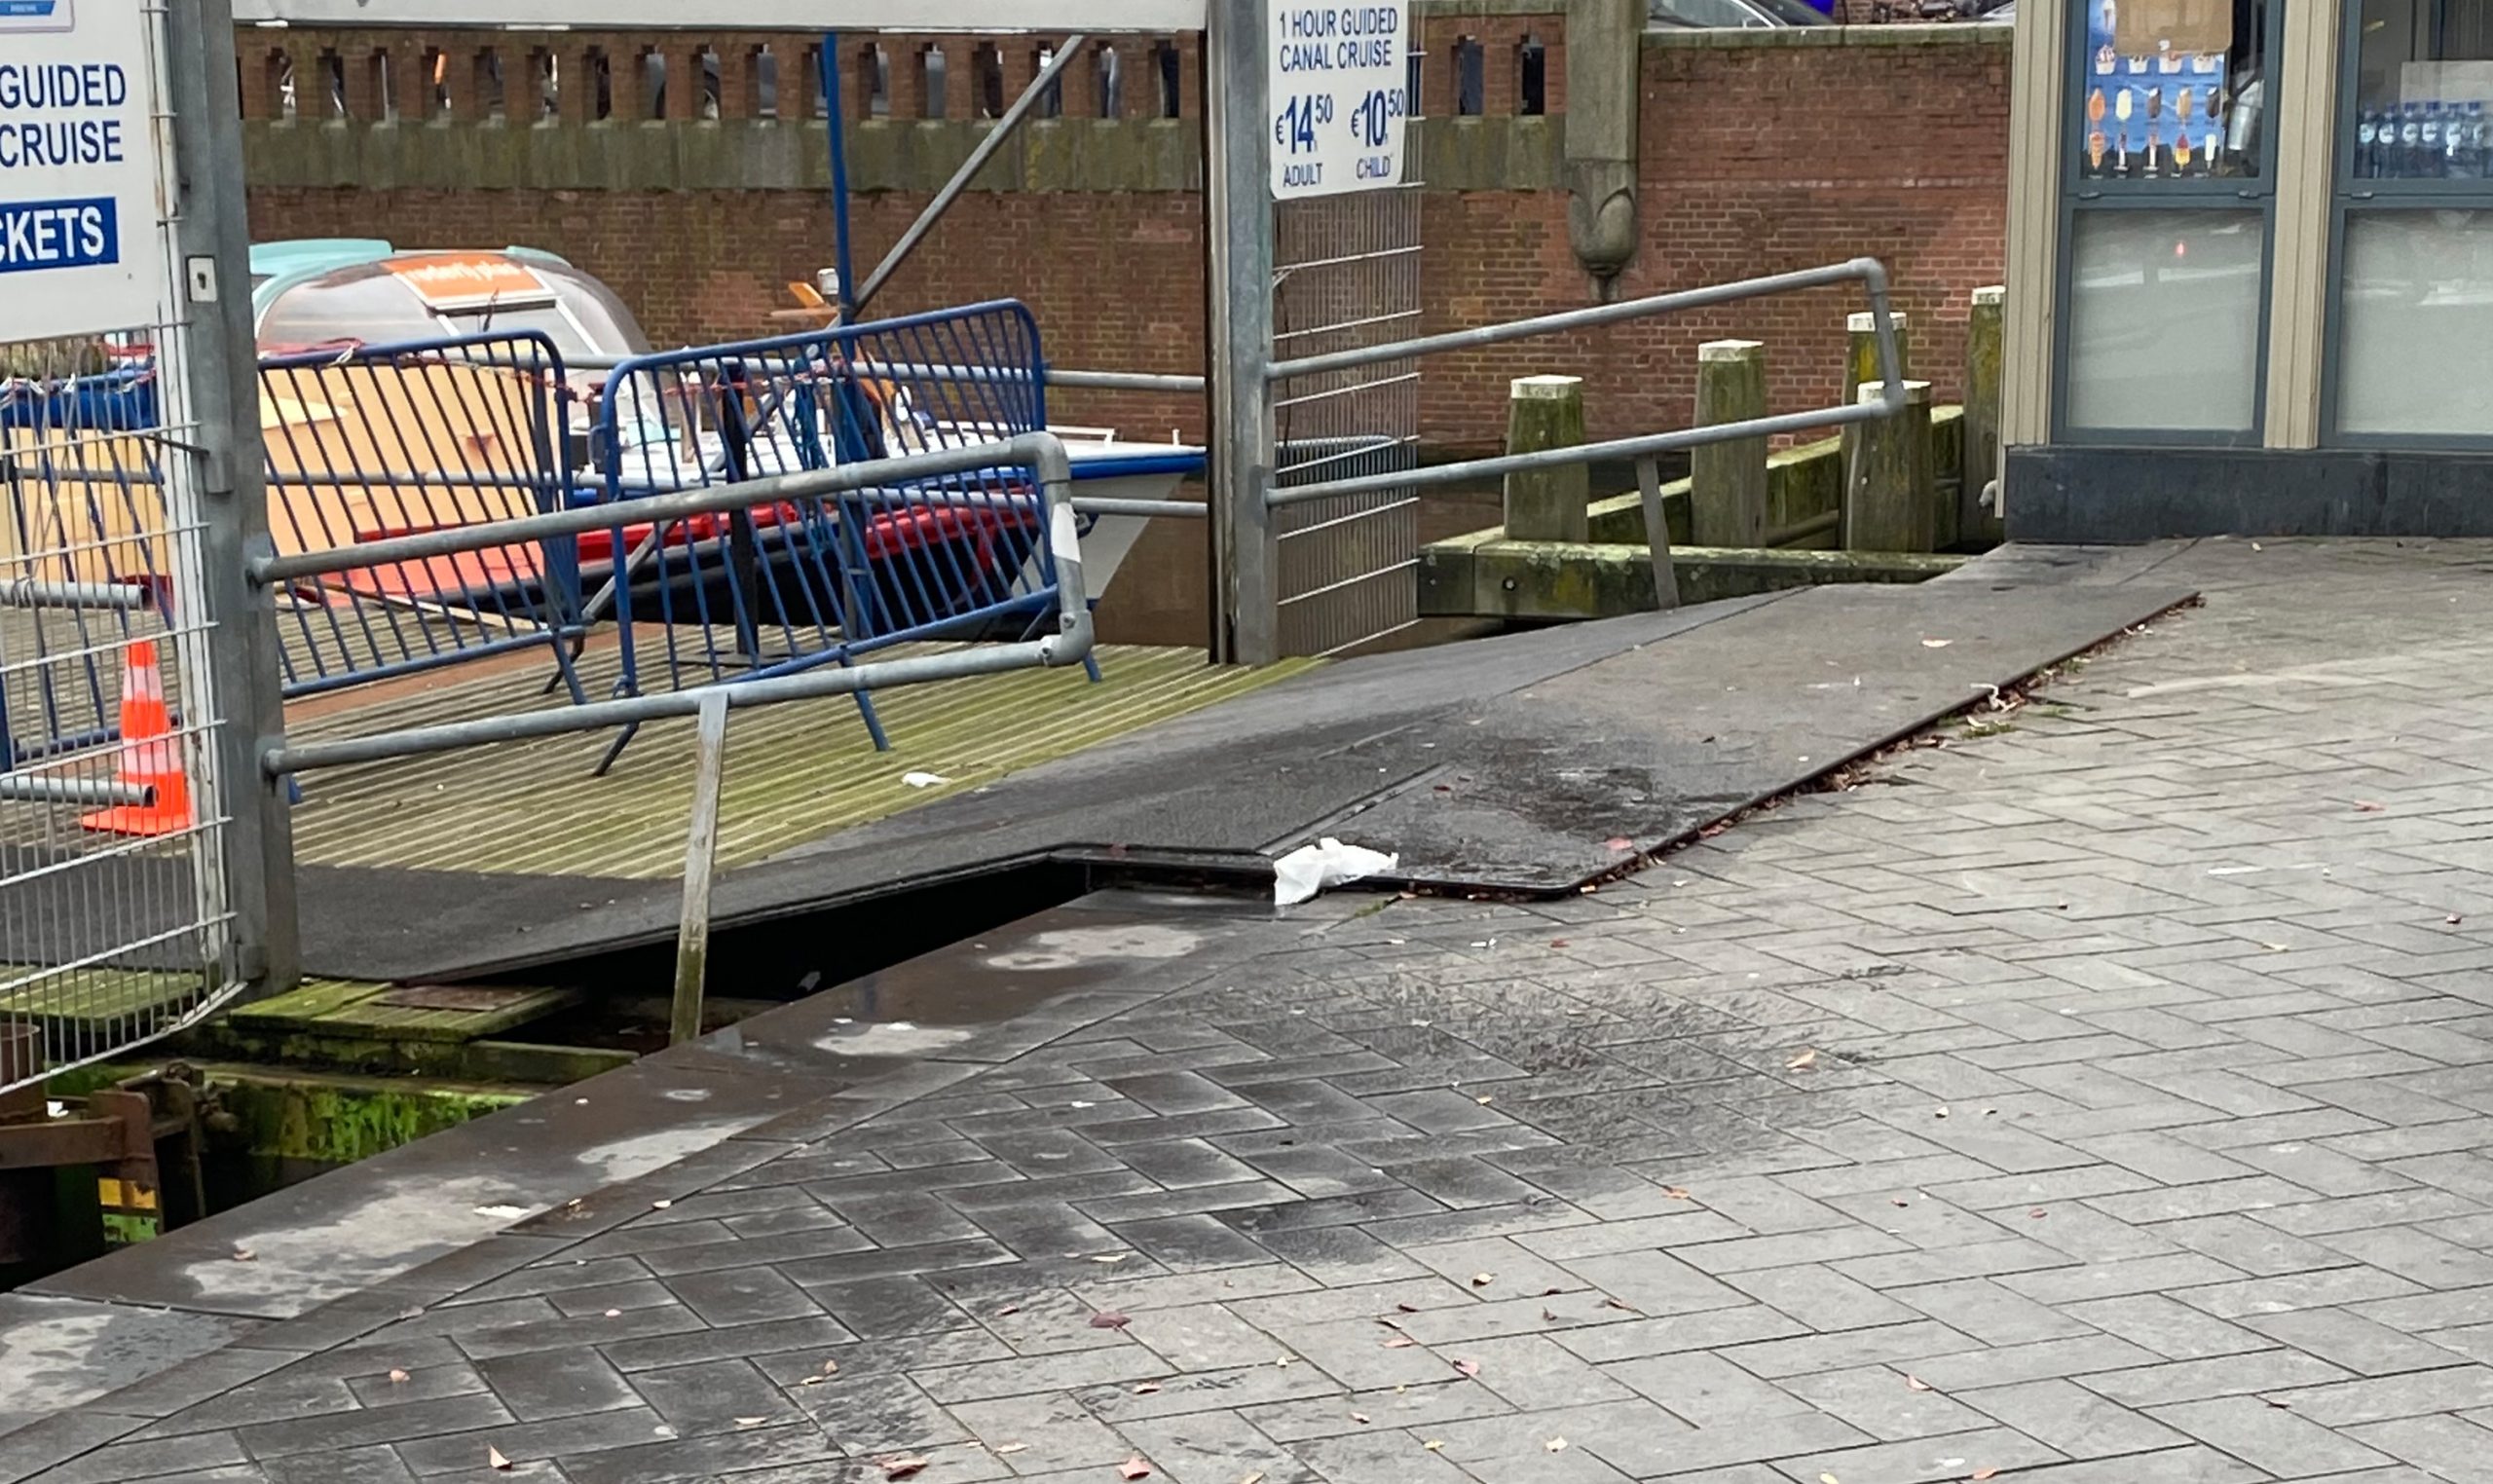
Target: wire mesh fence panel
x=785, y=586
x=114, y=921
x=373, y=442
x=1347, y=277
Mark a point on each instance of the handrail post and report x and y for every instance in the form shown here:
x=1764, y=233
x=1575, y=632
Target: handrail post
x=1238, y=176
x=700, y=853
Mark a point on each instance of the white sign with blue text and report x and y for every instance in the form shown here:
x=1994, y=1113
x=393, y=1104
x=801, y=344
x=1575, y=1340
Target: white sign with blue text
x=81, y=245
x=1339, y=96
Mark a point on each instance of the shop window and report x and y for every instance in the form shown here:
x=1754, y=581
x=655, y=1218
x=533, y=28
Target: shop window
x=2415, y=326
x=2173, y=91
x=2422, y=74
x=2163, y=322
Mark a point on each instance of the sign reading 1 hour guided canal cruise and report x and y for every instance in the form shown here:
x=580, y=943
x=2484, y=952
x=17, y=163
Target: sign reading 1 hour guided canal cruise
x=80, y=251
x=1338, y=96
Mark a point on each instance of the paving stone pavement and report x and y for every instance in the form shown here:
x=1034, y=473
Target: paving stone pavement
x=2102, y=1100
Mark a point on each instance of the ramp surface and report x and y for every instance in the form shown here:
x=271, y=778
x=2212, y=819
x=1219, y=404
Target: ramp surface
x=1507, y=764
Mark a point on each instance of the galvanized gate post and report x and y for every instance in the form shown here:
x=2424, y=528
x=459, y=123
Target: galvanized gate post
x=1238, y=181
x=221, y=371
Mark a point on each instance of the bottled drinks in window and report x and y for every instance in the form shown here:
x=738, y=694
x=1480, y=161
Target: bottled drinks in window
x=2429, y=163
x=2410, y=141
x=2479, y=133
x=2367, y=144
x=2462, y=145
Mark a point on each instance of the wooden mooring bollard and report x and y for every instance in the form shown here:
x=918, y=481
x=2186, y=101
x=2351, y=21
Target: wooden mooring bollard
x=1975, y=520
x=1726, y=483
x=1889, y=485
x=1861, y=350
x=1547, y=412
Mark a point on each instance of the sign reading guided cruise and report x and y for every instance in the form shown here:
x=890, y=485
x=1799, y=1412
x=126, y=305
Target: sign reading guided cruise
x=80, y=251
x=1339, y=80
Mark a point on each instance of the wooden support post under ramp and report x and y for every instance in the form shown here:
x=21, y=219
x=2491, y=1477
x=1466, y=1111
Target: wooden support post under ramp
x=1890, y=490
x=1542, y=413
x=1726, y=488
x=700, y=854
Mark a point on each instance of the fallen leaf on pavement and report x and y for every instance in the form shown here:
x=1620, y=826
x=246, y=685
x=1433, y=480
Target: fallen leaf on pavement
x=2282, y=1406
x=615, y=1313
x=1108, y=1321
x=244, y=1254
x=1617, y=1303
x=1400, y=1342
x=1675, y=1193
x=751, y=1421
x=2452, y=920
x=2367, y=806
x=1547, y=1316
x=1984, y=1473
x=1408, y=1308
x=1146, y=1388
x=1484, y=1100
x=1390, y=1324
x=1468, y=1368
x=901, y=1466
x=1560, y=943
x=1008, y=1309
x=2037, y=1213
x=1483, y=1279
x=1937, y=644
x=1111, y=1257
x=659, y=1205
x=1618, y=842
x=1916, y=1383
x=494, y=1459
x=1804, y=1061
x=1433, y=1444
x=1359, y=1417
x=1556, y=1445
x=830, y=1367
x=1133, y=1469
x=397, y=1376
x=1827, y=1478
x=1257, y=1477
x=1013, y=1448
x=1943, y=1110
x=1898, y=1201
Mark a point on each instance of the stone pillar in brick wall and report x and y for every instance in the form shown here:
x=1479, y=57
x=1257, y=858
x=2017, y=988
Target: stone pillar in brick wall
x=575, y=89
x=358, y=70
x=470, y=69
x=687, y=89
x=1545, y=411
x=1139, y=80
x=1890, y=501
x=1605, y=61
x=1726, y=493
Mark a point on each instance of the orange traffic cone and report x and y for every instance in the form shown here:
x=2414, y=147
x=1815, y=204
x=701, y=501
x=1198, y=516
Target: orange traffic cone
x=150, y=757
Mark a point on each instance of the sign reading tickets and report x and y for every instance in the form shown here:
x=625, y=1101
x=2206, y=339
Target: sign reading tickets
x=81, y=250
x=1339, y=95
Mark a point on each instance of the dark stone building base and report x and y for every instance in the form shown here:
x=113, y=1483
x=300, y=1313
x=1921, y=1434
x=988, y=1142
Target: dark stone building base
x=2090, y=494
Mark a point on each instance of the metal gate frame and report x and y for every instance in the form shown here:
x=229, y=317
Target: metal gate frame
x=143, y=934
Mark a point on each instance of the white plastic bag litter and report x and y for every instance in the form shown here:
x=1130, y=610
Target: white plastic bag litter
x=1310, y=868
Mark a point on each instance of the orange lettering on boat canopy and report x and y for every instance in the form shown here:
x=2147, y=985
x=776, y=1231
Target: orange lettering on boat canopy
x=458, y=280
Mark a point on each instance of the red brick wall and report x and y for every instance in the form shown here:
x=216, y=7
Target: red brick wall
x=1755, y=160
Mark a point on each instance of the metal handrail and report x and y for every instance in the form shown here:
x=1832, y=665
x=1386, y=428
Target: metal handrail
x=1043, y=451
x=1866, y=270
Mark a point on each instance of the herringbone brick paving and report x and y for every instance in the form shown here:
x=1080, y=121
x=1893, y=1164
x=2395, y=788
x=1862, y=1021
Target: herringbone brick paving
x=2102, y=1100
